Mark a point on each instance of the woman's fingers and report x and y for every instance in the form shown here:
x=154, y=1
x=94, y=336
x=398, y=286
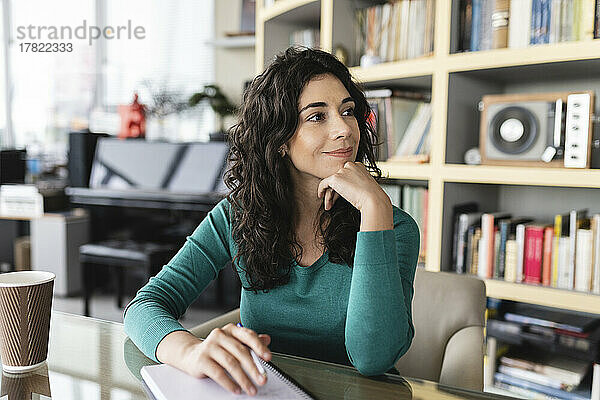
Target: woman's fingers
x=242, y=353
x=328, y=197
x=335, y=197
x=216, y=372
x=233, y=366
x=250, y=339
x=266, y=339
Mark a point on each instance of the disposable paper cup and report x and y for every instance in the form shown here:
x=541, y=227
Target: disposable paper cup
x=25, y=305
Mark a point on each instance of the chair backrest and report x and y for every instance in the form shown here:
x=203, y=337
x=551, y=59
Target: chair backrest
x=449, y=317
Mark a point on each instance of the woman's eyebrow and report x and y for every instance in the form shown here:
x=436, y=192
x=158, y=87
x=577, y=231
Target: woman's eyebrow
x=323, y=104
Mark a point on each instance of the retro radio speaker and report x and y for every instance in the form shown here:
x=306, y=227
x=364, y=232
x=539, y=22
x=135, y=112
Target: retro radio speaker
x=540, y=129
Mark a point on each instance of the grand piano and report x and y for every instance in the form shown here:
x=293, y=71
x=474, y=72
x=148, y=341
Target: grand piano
x=155, y=192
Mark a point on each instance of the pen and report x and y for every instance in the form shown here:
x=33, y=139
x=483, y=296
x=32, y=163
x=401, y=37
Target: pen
x=259, y=366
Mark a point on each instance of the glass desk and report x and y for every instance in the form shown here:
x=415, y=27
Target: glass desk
x=92, y=359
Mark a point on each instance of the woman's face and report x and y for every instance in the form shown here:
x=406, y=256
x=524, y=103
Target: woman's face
x=327, y=134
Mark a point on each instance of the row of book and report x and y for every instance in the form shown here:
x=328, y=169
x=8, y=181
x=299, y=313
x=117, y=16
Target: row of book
x=396, y=30
x=403, y=121
x=413, y=200
x=493, y=24
x=309, y=37
x=537, y=352
x=564, y=254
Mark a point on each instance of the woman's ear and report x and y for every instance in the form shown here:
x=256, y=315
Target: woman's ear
x=283, y=150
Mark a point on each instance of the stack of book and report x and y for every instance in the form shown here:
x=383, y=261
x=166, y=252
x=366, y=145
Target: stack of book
x=309, y=37
x=564, y=254
x=413, y=200
x=396, y=30
x=544, y=353
x=403, y=121
x=492, y=24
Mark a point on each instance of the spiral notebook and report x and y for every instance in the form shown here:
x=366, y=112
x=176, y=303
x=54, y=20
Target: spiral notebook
x=165, y=382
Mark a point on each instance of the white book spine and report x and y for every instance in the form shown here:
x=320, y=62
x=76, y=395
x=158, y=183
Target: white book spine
x=487, y=237
x=520, y=238
x=596, y=383
x=572, y=250
x=514, y=23
x=596, y=252
x=482, y=257
x=405, y=35
x=510, y=273
x=583, y=264
x=563, y=261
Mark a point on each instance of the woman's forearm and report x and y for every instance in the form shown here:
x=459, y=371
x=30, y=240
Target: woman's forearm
x=379, y=325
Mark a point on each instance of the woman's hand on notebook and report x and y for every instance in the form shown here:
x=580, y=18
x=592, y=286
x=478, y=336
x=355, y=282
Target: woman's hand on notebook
x=226, y=351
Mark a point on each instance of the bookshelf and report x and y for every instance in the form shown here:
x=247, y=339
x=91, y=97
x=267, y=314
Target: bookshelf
x=457, y=82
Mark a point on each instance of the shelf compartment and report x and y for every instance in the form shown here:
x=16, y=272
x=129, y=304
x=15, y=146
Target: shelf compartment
x=415, y=72
x=467, y=88
x=538, y=54
x=541, y=203
x=293, y=10
x=544, y=296
x=565, y=177
x=405, y=171
x=235, y=42
x=278, y=27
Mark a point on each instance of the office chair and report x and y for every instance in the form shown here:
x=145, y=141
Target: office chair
x=448, y=314
x=449, y=317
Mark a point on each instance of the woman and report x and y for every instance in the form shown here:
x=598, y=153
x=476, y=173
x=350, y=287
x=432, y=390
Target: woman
x=326, y=262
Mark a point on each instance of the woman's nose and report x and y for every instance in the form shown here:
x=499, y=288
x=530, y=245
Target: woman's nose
x=340, y=127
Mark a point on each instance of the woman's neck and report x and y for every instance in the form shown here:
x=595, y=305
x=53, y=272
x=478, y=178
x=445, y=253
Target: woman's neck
x=307, y=206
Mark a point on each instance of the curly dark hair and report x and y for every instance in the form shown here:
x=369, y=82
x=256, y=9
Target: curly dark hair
x=259, y=180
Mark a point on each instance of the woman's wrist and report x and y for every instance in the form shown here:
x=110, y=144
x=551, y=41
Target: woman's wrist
x=175, y=346
x=377, y=215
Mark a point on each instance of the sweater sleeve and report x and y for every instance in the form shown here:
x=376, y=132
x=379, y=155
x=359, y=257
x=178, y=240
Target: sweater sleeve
x=379, y=327
x=156, y=308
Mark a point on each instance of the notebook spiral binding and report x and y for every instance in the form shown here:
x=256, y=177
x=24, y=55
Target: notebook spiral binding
x=297, y=389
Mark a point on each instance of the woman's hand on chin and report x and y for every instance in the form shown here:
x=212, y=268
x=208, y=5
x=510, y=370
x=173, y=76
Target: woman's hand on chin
x=355, y=184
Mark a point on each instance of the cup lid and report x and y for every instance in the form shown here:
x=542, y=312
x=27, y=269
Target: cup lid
x=25, y=278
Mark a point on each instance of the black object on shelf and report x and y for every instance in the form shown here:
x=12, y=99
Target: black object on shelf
x=583, y=347
x=12, y=166
x=545, y=317
x=82, y=146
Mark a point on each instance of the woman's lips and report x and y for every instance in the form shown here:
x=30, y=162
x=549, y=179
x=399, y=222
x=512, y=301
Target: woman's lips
x=340, y=154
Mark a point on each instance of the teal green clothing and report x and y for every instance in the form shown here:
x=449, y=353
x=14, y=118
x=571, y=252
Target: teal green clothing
x=360, y=316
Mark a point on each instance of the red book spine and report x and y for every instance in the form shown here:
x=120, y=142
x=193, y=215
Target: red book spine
x=534, y=237
x=547, y=261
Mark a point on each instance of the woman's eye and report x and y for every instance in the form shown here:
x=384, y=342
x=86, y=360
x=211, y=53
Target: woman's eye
x=316, y=117
x=349, y=111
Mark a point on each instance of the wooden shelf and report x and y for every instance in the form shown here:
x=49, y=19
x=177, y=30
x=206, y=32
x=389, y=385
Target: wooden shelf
x=394, y=70
x=400, y=170
x=499, y=58
x=234, y=42
x=283, y=6
x=567, y=177
x=545, y=296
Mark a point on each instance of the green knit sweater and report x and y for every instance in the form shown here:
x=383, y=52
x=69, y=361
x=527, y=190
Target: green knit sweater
x=360, y=316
